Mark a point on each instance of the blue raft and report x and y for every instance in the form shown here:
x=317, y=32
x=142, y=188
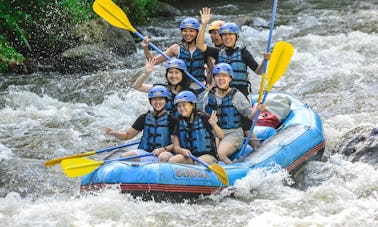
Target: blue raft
x=299, y=138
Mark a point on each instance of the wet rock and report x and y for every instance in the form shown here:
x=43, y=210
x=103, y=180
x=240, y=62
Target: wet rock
x=360, y=144
x=103, y=47
x=86, y=58
x=167, y=10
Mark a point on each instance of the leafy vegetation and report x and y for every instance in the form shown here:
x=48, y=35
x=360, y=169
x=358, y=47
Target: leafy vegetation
x=43, y=28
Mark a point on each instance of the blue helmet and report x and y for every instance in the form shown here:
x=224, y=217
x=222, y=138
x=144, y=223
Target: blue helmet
x=229, y=28
x=176, y=63
x=223, y=68
x=158, y=91
x=190, y=22
x=185, y=96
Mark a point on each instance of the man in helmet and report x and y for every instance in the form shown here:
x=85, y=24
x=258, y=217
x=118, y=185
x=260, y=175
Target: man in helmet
x=157, y=126
x=214, y=32
x=187, y=51
x=195, y=132
x=230, y=105
x=176, y=80
x=218, y=42
x=240, y=59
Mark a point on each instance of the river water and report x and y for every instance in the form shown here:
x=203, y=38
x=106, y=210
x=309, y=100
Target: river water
x=333, y=69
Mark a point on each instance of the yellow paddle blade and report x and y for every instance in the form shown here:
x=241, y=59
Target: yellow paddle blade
x=79, y=166
x=112, y=14
x=59, y=160
x=279, y=62
x=220, y=172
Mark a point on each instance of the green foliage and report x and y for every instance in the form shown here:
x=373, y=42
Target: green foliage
x=138, y=11
x=80, y=9
x=44, y=28
x=11, y=19
x=8, y=55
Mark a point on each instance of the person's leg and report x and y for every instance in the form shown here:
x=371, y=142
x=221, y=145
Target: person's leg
x=165, y=156
x=226, y=149
x=179, y=158
x=209, y=159
x=129, y=153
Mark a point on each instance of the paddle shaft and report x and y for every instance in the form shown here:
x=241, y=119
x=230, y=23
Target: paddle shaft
x=129, y=157
x=116, y=147
x=88, y=153
x=198, y=160
x=264, y=72
x=112, y=160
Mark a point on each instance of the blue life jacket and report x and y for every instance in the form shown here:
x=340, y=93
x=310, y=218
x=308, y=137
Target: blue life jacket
x=228, y=115
x=194, y=62
x=170, y=107
x=240, y=76
x=195, y=137
x=155, y=132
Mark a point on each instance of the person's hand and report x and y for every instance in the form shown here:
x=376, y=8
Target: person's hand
x=267, y=56
x=145, y=42
x=108, y=131
x=158, y=151
x=205, y=15
x=213, y=120
x=185, y=152
x=150, y=63
x=261, y=106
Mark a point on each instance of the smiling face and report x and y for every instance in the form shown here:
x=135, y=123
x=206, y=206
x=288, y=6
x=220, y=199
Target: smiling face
x=222, y=81
x=185, y=109
x=174, y=76
x=229, y=39
x=189, y=35
x=158, y=103
x=216, y=38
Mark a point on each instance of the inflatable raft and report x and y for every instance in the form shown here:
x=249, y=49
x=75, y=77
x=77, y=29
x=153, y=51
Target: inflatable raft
x=299, y=138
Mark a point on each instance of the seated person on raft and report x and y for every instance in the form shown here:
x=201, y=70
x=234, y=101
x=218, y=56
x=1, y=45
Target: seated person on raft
x=230, y=105
x=157, y=126
x=194, y=133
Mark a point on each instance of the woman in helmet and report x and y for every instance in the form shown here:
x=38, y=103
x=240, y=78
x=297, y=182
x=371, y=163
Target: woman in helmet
x=187, y=51
x=239, y=58
x=176, y=80
x=230, y=105
x=157, y=126
x=194, y=133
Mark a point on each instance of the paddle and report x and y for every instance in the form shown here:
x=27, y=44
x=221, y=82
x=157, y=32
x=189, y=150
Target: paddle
x=270, y=81
x=81, y=166
x=268, y=48
x=59, y=160
x=278, y=64
x=116, y=17
x=217, y=169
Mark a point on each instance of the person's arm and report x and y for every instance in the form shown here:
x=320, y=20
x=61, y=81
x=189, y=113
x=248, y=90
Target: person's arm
x=217, y=131
x=260, y=69
x=138, y=84
x=252, y=64
x=146, y=49
x=129, y=134
x=205, y=19
x=170, y=52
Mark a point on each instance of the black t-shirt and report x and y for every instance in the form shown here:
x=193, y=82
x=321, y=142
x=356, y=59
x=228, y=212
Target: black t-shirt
x=139, y=123
x=247, y=57
x=205, y=120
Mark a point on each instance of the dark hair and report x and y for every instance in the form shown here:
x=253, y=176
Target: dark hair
x=185, y=82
